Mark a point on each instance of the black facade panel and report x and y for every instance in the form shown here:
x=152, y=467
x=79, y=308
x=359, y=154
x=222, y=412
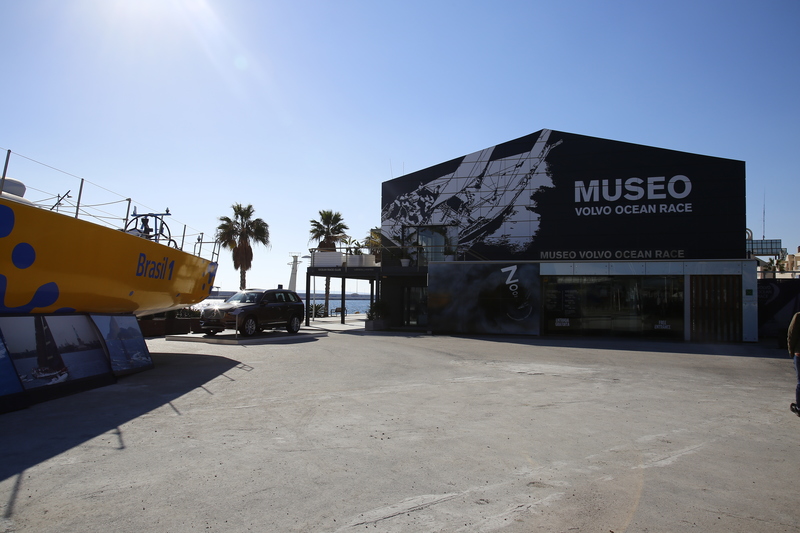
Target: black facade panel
x=554, y=195
x=708, y=223
x=412, y=182
x=484, y=298
x=517, y=146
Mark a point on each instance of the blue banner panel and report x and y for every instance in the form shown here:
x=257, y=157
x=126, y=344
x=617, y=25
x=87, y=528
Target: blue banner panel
x=48, y=350
x=126, y=347
x=9, y=381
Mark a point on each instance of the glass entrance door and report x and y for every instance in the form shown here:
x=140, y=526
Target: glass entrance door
x=415, y=306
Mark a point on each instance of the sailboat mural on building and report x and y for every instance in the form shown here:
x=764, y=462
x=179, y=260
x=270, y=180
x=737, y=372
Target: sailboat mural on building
x=488, y=198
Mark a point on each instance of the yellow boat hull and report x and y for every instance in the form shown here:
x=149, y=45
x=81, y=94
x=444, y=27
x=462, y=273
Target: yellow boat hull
x=54, y=263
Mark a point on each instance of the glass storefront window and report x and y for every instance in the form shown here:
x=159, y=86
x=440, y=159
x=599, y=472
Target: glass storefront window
x=662, y=303
x=614, y=305
x=428, y=243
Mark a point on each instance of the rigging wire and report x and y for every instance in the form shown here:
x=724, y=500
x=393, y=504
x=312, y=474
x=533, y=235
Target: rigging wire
x=124, y=199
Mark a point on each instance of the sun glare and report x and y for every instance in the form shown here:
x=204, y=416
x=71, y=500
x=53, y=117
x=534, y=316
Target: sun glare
x=147, y=30
x=153, y=9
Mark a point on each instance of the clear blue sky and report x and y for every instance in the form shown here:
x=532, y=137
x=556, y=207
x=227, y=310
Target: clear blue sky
x=300, y=106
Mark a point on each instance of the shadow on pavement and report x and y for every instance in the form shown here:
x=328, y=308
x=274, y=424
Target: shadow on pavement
x=45, y=430
x=766, y=348
x=264, y=337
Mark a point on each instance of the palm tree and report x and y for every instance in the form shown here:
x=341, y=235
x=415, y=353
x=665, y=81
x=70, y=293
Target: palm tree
x=327, y=231
x=353, y=246
x=238, y=233
x=775, y=265
x=373, y=243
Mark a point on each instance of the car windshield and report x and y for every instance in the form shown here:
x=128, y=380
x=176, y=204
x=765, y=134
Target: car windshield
x=249, y=297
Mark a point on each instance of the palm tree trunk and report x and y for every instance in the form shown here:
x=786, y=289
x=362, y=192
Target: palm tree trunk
x=242, y=279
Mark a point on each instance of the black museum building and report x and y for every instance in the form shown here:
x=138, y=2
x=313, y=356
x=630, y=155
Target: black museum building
x=562, y=234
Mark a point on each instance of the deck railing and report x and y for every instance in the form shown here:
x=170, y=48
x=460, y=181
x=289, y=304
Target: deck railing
x=387, y=256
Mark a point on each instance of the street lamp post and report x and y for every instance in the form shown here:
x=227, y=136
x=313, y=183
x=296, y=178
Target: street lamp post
x=314, y=294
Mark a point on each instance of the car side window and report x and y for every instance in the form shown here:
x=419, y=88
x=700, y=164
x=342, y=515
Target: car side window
x=292, y=297
x=270, y=297
x=280, y=297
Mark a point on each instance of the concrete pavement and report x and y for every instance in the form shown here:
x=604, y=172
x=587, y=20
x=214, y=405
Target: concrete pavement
x=337, y=429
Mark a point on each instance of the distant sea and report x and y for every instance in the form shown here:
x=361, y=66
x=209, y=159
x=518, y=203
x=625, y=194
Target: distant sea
x=353, y=305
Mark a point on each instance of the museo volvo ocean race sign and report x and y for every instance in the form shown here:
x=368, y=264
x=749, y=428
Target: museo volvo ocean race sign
x=560, y=196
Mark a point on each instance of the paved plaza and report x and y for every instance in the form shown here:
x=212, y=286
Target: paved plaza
x=338, y=429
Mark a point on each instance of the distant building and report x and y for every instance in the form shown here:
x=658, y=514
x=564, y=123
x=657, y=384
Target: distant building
x=793, y=263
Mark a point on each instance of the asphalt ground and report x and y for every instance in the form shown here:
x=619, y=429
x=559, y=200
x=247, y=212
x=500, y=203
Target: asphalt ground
x=338, y=430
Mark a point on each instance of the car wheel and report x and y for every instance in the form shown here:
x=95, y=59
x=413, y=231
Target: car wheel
x=249, y=327
x=211, y=332
x=293, y=326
